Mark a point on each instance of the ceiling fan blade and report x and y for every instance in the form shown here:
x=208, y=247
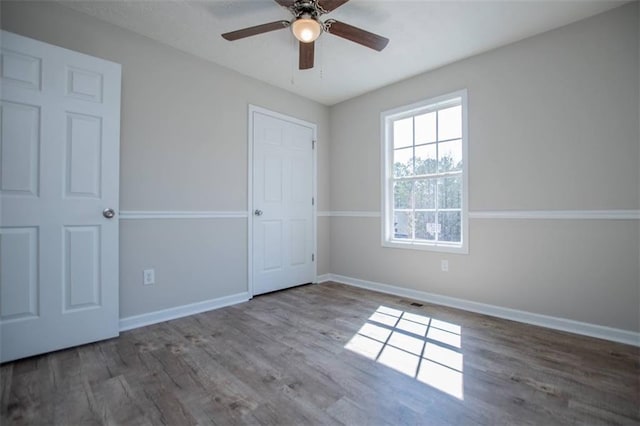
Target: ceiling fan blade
x=258, y=29
x=307, y=51
x=330, y=5
x=356, y=34
x=285, y=3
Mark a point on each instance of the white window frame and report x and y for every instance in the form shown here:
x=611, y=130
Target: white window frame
x=386, y=130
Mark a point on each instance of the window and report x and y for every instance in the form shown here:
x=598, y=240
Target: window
x=425, y=175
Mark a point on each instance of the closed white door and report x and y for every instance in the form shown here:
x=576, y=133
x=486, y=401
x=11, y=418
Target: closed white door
x=283, y=203
x=59, y=153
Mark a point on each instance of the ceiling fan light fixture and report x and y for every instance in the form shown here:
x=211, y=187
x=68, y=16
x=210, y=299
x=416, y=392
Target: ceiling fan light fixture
x=306, y=30
x=307, y=26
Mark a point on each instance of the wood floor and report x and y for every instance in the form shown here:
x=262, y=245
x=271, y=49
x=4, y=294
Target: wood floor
x=329, y=354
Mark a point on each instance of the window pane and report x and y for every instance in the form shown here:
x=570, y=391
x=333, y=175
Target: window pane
x=450, y=192
x=425, y=175
x=403, y=133
x=425, y=194
x=449, y=224
x=426, y=226
x=402, y=195
x=450, y=156
x=450, y=123
x=426, y=162
x=402, y=225
x=403, y=162
x=425, y=128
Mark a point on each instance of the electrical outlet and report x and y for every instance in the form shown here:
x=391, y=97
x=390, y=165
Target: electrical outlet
x=148, y=276
x=444, y=265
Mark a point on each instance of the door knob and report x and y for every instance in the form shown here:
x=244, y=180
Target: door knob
x=108, y=213
x=258, y=212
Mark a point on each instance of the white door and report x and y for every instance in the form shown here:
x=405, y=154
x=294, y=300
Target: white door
x=283, y=205
x=59, y=153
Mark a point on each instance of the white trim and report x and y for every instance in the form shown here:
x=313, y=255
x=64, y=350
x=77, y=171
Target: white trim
x=352, y=214
x=563, y=324
x=323, y=278
x=314, y=128
x=314, y=209
x=517, y=214
x=158, y=214
x=327, y=213
x=482, y=214
x=136, y=321
x=458, y=97
x=557, y=214
x=250, y=200
x=442, y=247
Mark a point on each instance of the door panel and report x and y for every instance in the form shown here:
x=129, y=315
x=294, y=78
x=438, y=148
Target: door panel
x=20, y=161
x=272, y=244
x=298, y=241
x=84, y=84
x=21, y=69
x=283, y=237
x=59, y=147
x=82, y=267
x=83, y=156
x=19, y=292
x=272, y=178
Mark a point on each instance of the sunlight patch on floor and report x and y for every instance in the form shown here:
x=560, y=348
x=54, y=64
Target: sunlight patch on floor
x=424, y=348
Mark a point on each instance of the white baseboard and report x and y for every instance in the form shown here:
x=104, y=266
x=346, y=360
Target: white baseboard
x=563, y=324
x=323, y=278
x=163, y=315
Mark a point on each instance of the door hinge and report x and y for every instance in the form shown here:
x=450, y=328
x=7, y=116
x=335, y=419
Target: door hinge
x=313, y=144
x=313, y=257
x=313, y=201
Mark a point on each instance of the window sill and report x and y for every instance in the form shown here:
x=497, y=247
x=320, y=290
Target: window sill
x=440, y=248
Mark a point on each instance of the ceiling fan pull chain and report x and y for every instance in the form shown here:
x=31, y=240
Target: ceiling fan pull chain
x=293, y=60
x=321, y=46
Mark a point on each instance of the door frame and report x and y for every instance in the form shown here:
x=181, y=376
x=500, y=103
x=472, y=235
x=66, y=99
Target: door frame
x=250, y=145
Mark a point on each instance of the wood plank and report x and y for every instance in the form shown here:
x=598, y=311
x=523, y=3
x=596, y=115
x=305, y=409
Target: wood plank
x=282, y=358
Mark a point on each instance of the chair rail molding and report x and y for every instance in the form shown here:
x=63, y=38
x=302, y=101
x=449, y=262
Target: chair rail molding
x=515, y=214
x=162, y=214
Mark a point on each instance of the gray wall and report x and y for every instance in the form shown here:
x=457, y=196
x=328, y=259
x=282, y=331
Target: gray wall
x=183, y=148
x=553, y=126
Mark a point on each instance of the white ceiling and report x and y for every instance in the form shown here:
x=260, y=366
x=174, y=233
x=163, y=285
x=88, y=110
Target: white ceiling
x=424, y=35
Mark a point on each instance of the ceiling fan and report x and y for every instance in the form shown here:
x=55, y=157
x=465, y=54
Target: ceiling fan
x=307, y=27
